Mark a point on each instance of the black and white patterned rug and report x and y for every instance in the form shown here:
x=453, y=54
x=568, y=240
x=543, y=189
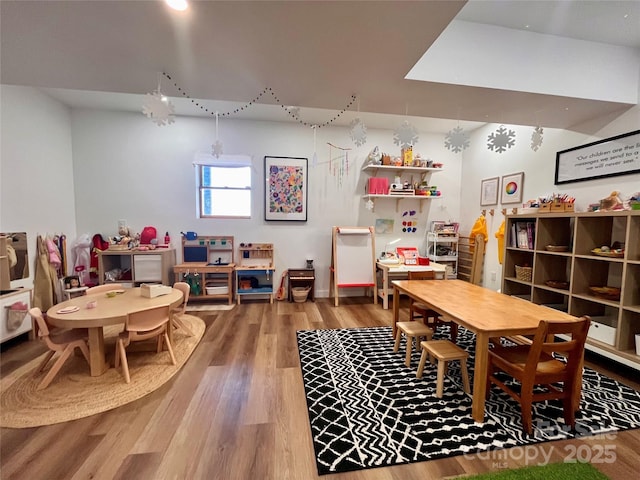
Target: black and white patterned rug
x=367, y=409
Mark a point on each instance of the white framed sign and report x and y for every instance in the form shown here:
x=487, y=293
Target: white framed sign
x=619, y=155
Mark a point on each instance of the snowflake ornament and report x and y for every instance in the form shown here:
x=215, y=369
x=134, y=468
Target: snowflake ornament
x=158, y=108
x=501, y=140
x=405, y=135
x=358, y=132
x=369, y=205
x=216, y=148
x=457, y=140
x=536, y=138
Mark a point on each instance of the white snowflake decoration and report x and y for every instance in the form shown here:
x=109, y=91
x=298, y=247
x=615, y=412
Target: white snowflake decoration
x=358, y=132
x=158, y=108
x=406, y=135
x=536, y=138
x=457, y=140
x=369, y=205
x=216, y=148
x=501, y=140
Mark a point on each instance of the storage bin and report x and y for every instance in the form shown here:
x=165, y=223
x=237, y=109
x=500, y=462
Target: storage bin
x=147, y=268
x=15, y=318
x=603, y=333
x=523, y=273
x=221, y=290
x=300, y=294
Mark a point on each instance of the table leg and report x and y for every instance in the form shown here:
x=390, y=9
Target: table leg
x=480, y=376
x=385, y=289
x=97, y=361
x=396, y=308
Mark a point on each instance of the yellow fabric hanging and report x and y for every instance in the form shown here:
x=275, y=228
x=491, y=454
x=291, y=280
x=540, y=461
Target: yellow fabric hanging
x=480, y=227
x=500, y=236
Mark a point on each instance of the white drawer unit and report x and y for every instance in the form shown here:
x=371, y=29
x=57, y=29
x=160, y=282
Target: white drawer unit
x=14, y=324
x=147, y=268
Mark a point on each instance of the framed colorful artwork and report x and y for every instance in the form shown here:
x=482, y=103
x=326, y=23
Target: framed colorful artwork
x=286, y=186
x=489, y=191
x=512, y=188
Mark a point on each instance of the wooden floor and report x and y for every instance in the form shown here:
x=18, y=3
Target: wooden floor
x=237, y=411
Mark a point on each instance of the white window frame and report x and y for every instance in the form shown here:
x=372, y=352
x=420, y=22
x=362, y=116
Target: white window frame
x=224, y=161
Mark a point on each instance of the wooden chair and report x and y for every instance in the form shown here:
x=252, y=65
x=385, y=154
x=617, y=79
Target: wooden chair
x=534, y=365
x=63, y=341
x=471, y=258
x=144, y=325
x=178, y=311
x=107, y=287
x=429, y=317
x=444, y=351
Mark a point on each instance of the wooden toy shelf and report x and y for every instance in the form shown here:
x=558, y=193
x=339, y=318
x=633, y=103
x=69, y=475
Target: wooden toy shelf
x=255, y=269
x=210, y=262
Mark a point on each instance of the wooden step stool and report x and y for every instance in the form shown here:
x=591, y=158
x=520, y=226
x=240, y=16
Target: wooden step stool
x=444, y=351
x=411, y=330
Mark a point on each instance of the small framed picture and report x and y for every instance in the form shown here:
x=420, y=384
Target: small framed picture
x=489, y=191
x=512, y=186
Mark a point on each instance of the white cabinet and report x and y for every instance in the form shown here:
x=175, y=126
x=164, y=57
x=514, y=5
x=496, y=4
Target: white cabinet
x=410, y=175
x=443, y=248
x=21, y=322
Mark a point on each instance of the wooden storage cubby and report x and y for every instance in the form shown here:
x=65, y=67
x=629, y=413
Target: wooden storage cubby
x=615, y=323
x=209, y=261
x=137, y=266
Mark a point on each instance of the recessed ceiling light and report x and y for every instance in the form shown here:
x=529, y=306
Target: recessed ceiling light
x=177, y=4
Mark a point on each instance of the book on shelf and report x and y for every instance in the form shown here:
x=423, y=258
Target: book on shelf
x=525, y=235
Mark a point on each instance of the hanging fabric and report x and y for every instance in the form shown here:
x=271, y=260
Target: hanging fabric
x=500, y=236
x=43, y=291
x=480, y=227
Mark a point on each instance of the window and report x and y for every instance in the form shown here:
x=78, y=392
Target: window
x=224, y=186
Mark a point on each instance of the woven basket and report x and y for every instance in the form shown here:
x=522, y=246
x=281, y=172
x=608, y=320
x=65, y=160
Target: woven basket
x=300, y=294
x=523, y=273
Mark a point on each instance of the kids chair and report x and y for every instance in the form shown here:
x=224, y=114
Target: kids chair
x=143, y=325
x=63, y=341
x=421, y=310
x=177, y=312
x=536, y=366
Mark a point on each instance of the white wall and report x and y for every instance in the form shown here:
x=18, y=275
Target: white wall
x=539, y=174
x=126, y=167
x=36, y=169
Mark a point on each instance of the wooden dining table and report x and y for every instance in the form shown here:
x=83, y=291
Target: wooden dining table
x=107, y=311
x=485, y=312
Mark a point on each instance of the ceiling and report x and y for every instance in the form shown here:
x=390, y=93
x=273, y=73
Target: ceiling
x=312, y=54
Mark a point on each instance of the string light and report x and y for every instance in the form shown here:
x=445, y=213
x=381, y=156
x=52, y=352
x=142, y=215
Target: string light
x=289, y=111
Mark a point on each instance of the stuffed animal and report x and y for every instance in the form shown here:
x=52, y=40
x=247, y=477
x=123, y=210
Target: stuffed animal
x=612, y=202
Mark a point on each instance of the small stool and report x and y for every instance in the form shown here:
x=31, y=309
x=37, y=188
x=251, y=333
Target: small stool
x=444, y=351
x=411, y=330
